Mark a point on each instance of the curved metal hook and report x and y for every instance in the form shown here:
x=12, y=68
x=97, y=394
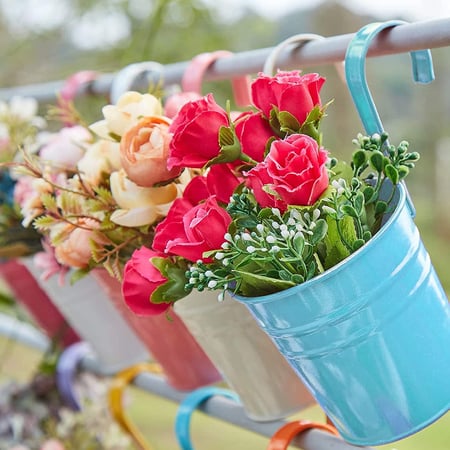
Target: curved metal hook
x=299, y=39
x=124, y=79
x=355, y=59
x=189, y=404
x=66, y=369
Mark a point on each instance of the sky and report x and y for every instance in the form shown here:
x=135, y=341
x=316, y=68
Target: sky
x=99, y=30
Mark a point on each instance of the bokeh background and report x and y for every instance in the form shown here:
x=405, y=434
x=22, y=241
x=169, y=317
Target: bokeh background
x=47, y=40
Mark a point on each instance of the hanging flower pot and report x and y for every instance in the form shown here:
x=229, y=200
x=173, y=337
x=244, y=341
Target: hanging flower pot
x=183, y=361
x=369, y=336
x=96, y=321
x=232, y=339
x=36, y=302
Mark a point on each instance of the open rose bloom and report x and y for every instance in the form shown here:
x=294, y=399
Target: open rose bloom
x=268, y=207
x=97, y=193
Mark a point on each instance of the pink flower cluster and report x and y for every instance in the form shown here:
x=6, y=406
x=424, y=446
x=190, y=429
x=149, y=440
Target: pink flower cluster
x=280, y=170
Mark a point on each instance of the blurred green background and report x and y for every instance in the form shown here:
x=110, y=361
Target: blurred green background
x=46, y=40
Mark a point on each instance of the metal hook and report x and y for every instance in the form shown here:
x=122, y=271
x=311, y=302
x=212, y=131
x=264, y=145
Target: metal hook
x=355, y=58
x=66, y=368
x=298, y=39
x=193, y=77
x=118, y=385
x=189, y=404
x=124, y=79
x=284, y=435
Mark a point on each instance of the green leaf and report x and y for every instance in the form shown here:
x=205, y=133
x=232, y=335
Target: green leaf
x=348, y=210
x=380, y=207
x=299, y=243
x=254, y=285
x=43, y=223
x=369, y=194
x=358, y=244
x=230, y=147
x=341, y=170
x=335, y=249
x=49, y=203
x=288, y=123
x=319, y=231
x=403, y=172
x=359, y=158
x=376, y=161
x=392, y=173
x=274, y=122
x=226, y=136
x=359, y=203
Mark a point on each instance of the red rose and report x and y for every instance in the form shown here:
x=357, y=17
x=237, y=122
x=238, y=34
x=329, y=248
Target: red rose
x=190, y=231
x=288, y=91
x=294, y=169
x=195, y=131
x=140, y=280
x=253, y=132
x=222, y=181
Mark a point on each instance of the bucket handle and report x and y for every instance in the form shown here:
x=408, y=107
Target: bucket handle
x=355, y=59
x=189, y=404
x=284, y=435
x=115, y=399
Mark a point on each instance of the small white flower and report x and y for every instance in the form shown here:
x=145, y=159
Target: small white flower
x=192, y=280
x=271, y=239
x=246, y=237
x=283, y=227
x=220, y=255
x=225, y=245
x=225, y=262
x=212, y=284
x=275, y=249
x=316, y=214
x=285, y=234
x=276, y=212
x=228, y=237
x=260, y=227
x=209, y=273
x=251, y=249
x=275, y=225
x=291, y=221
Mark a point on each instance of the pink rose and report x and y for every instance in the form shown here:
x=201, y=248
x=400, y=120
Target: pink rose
x=174, y=103
x=66, y=147
x=190, y=231
x=195, y=131
x=294, y=168
x=288, y=91
x=253, y=132
x=144, y=149
x=140, y=279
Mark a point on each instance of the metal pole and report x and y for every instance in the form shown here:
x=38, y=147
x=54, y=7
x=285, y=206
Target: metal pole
x=400, y=39
x=219, y=407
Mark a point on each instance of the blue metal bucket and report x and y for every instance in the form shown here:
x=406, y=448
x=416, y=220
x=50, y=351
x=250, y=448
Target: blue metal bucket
x=371, y=336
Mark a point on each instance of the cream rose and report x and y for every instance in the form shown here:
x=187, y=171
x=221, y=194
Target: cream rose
x=144, y=150
x=100, y=158
x=140, y=205
x=130, y=107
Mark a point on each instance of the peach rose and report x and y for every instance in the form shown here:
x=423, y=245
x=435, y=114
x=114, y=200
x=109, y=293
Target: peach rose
x=140, y=205
x=130, y=107
x=75, y=250
x=144, y=149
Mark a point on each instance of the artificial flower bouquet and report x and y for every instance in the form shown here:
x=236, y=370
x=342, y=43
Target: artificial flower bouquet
x=96, y=192
x=269, y=207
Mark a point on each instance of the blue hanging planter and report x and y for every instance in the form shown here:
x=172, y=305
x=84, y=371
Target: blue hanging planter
x=370, y=336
